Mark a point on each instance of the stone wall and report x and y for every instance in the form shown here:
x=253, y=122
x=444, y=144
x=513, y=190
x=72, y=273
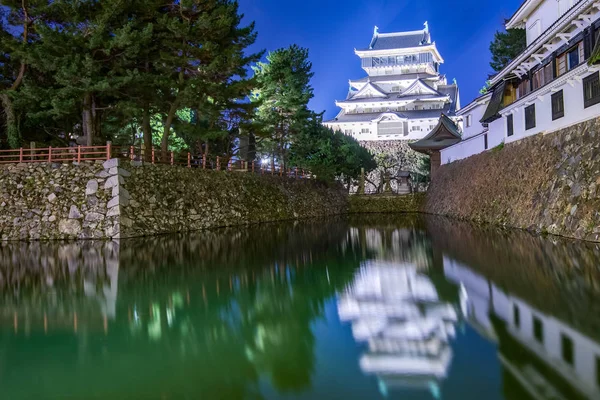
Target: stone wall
x=545, y=183
x=114, y=200
x=161, y=199
x=410, y=203
x=55, y=201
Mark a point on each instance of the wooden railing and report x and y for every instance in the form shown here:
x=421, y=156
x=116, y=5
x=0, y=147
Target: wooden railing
x=154, y=156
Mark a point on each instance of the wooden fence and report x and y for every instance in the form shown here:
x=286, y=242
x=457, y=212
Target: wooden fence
x=134, y=153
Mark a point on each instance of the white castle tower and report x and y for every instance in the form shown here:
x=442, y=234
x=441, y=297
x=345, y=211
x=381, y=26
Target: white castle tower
x=404, y=93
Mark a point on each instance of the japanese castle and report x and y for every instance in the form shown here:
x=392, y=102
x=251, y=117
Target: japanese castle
x=403, y=94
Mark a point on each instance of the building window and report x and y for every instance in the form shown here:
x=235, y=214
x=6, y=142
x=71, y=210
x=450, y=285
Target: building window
x=415, y=128
x=524, y=88
x=530, y=117
x=591, y=90
x=395, y=88
x=598, y=370
x=567, y=349
x=348, y=131
x=485, y=141
x=469, y=120
x=517, y=316
x=558, y=105
x=365, y=130
x=538, y=330
x=573, y=58
x=510, y=128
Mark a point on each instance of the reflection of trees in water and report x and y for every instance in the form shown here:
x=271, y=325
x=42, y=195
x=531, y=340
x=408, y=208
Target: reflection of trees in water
x=212, y=312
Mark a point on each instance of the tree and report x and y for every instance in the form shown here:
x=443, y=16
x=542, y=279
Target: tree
x=506, y=46
x=282, y=98
x=329, y=155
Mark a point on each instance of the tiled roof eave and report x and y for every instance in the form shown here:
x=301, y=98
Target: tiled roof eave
x=556, y=28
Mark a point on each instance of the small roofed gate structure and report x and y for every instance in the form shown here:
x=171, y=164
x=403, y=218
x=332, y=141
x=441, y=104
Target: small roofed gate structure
x=444, y=135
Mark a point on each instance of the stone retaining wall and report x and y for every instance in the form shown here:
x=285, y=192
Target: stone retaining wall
x=113, y=200
x=410, y=203
x=545, y=183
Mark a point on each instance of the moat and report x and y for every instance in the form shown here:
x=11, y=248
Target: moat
x=372, y=307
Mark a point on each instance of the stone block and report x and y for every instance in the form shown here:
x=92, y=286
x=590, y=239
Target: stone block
x=113, y=171
x=91, y=187
x=118, y=201
x=112, y=163
x=114, y=212
x=93, y=216
x=124, y=172
x=52, y=198
x=102, y=174
x=69, y=227
x=111, y=182
x=74, y=213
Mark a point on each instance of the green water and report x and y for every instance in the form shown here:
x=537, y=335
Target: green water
x=368, y=308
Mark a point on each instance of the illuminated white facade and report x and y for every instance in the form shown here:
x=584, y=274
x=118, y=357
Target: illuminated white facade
x=403, y=94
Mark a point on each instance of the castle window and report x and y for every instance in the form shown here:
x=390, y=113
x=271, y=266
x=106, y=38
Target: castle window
x=567, y=349
x=485, y=141
x=365, y=130
x=469, y=120
x=558, y=105
x=538, y=330
x=591, y=90
x=510, y=128
x=530, y=117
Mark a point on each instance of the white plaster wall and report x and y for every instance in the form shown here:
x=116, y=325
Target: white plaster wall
x=547, y=14
x=574, y=114
x=476, y=126
x=464, y=149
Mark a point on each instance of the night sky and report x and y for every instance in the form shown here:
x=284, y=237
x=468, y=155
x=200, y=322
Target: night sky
x=332, y=29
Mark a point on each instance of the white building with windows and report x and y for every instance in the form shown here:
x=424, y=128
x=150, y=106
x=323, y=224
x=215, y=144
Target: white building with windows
x=403, y=94
x=551, y=84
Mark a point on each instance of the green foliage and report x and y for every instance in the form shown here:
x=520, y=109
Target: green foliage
x=486, y=88
x=129, y=70
x=506, y=46
x=327, y=154
x=281, y=98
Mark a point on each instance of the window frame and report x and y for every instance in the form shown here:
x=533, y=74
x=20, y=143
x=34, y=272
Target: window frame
x=591, y=80
x=557, y=101
x=538, y=329
x=567, y=349
x=510, y=125
x=530, y=117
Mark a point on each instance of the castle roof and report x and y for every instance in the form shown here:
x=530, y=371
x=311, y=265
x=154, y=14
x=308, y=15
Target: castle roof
x=444, y=135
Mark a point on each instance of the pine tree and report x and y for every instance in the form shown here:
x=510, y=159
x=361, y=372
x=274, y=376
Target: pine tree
x=282, y=99
x=506, y=46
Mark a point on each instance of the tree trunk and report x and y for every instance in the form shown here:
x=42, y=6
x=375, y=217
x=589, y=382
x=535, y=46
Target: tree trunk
x=167, y=130
x=12, y=127
x=147, y=129
x=88, y=120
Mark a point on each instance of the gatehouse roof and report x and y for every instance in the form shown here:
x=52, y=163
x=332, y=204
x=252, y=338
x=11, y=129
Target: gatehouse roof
x=444, y=135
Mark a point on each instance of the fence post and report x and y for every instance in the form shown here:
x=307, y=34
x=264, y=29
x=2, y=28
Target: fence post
x=49, y=154
x=204, y=161
x=108, y=150
x=21, y=155
x=131, y=153
x=78, y=154
x=252, y=166
x=230, y=165
x=189, y=160
x=153, y=155
x=281, y=171
x=218, y=163
x=32, y=147
x=172, y=159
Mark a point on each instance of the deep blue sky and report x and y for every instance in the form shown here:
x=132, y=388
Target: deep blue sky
x=332, y=29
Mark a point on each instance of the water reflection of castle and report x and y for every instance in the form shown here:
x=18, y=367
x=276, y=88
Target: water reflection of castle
x=396, y=310
x=544, y=355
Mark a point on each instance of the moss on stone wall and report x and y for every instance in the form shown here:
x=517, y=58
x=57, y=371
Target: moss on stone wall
x=165, y=199
x=409, y=203
x=545, y=183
